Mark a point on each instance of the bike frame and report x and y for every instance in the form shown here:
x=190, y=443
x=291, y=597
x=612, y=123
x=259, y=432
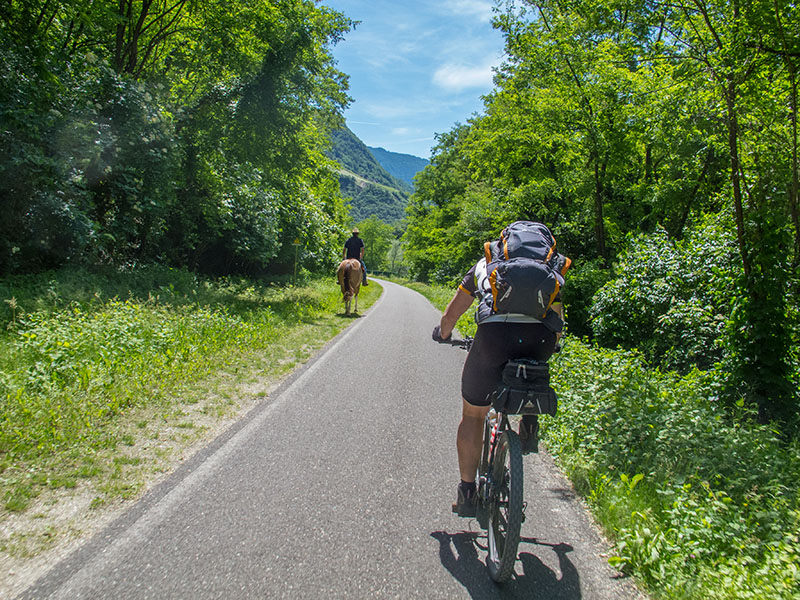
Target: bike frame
x=491, y=435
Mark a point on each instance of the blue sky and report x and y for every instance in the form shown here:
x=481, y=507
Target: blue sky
x=416, y=68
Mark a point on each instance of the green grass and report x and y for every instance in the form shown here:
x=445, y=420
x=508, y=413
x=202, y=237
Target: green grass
x=699, y=503
x=93, y=363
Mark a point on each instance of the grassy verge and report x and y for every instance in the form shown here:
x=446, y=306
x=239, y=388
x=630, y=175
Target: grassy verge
x=104, y=377
x=700, y=503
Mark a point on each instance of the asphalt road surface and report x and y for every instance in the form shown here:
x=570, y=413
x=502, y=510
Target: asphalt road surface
x=339, y=485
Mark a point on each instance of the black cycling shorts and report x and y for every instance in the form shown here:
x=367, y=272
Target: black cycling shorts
x=496, y=343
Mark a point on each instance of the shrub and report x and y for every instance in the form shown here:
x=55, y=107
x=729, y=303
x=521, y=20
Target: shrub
x=671, y=300
x=699, y=504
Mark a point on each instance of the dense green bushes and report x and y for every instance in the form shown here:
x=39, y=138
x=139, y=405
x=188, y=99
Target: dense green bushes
x=189, y=135
x=701, y=503
x=672, y=299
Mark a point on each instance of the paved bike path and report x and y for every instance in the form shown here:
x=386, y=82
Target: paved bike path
x=339, y=485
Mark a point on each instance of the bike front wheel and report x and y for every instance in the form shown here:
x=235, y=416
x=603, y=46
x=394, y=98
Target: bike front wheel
x=505, y=506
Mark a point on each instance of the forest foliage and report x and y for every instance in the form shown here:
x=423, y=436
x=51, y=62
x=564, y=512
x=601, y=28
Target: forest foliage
x=659, y=142
x=185, y=133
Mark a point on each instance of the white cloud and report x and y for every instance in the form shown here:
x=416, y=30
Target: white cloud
x=401, y=131
x=478, y=8
x=429, y=138
x=400, y=110
x=455, y=77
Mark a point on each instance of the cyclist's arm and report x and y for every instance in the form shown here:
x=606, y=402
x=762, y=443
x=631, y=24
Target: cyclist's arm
x=558, y=308
x=457, y=307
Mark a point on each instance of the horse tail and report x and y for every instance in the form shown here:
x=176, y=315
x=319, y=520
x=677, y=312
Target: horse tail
x=346, y=278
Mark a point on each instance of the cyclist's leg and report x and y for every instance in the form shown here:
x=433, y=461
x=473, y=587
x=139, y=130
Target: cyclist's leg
x=481, y=373
x=470, y=439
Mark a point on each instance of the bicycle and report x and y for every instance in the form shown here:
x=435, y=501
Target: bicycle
x=524, y=390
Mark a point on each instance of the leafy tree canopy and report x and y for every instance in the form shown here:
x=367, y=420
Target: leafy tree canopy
x=181, y=132
x=629, y=129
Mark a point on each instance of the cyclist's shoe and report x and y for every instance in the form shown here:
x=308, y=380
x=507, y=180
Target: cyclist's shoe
x=464, y=506
x=529, y=434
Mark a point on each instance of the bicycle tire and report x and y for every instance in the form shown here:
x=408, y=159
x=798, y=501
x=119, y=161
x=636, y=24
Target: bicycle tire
x=505, y=507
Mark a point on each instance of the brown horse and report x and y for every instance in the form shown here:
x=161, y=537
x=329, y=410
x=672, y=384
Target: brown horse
x=349, y=277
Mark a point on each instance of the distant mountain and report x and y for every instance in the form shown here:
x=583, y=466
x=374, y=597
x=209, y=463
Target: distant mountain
x=372, y=190
x=402, y=166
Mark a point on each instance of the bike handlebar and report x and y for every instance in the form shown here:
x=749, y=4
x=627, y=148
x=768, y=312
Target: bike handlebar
x=465, y=343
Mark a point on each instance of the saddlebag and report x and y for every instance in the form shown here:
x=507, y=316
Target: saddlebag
x=525, y=389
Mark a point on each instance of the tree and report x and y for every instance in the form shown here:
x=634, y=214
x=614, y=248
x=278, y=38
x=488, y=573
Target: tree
x=616, y=118
x=378, y=237
x=722, y=41
x=189, y=132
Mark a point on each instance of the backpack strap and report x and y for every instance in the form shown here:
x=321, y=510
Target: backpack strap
x=553, y=297
x=487, y=251
x=552, y=248
x=567, y=265
x=504, y=239
x=493, y=283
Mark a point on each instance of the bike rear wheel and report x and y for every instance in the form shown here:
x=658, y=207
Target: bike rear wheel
x=505, y=507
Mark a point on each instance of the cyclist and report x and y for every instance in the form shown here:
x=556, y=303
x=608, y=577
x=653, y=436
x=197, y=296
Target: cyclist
x=499, y=337
x=354, y=248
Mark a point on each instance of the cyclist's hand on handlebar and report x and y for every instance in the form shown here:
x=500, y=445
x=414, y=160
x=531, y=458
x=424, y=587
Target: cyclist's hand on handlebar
x=437, y=335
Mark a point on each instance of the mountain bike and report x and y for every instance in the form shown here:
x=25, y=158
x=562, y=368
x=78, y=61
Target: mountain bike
x=524, y=390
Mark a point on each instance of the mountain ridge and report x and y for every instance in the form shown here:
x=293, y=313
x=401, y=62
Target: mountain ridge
x=372, y=190
x=402, y=166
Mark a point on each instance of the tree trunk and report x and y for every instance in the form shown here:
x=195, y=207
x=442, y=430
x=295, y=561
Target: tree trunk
x=793, y=191
x=119, y=39
x=736, y=185
x=599, y=227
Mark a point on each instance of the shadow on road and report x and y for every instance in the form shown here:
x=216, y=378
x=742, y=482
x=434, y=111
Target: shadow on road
x=463, y=555
x=354, y=315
